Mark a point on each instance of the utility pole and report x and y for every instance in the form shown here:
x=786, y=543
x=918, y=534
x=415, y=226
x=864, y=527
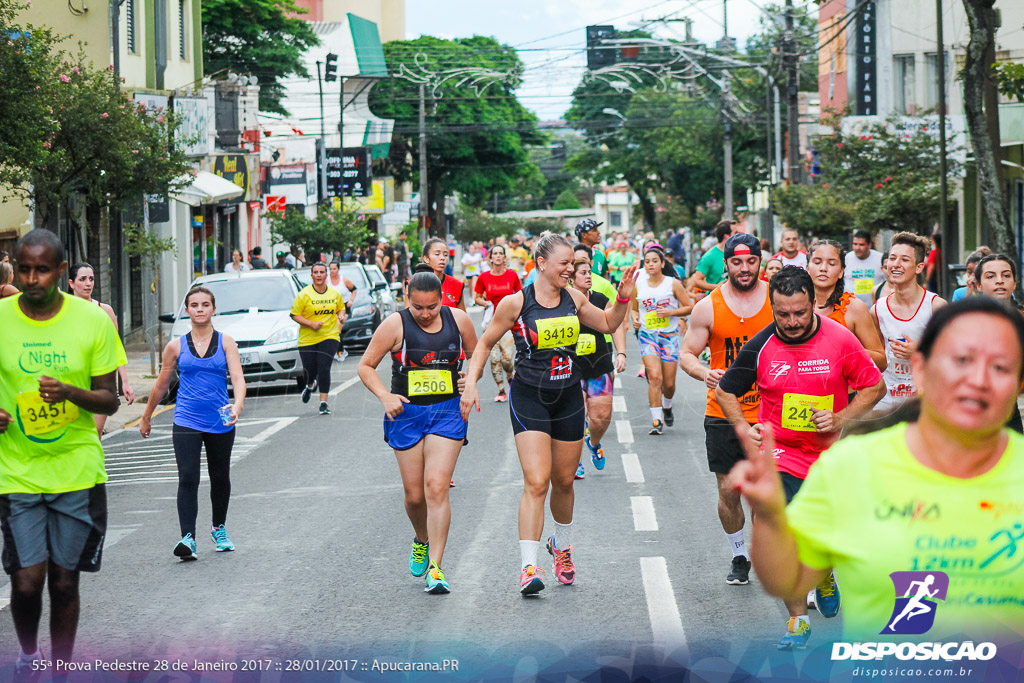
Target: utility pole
x=789, y=60
x=725, y=45
x=321, y=157
x=948, y=248
x=424, y=212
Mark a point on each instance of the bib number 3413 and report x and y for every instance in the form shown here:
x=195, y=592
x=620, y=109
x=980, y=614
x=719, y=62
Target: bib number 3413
x=39, y=417
x=555, y=332
x=798, y=409
x=429, y=382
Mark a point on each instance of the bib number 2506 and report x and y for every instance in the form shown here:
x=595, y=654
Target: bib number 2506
x=429, y=382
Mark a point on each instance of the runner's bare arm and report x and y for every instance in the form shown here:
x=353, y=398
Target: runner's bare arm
x=387, y=338
x=505, y=315
x=634, y=312
x=696, y=340
x=100, y=397
x=858, y=317
x=864, y=401
x=607, y=320
x=700, y=281
x=683, y=297
x=168, y=366
x=237, y=377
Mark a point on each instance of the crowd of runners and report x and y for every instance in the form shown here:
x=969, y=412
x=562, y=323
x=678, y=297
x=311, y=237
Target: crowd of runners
x=834, y=381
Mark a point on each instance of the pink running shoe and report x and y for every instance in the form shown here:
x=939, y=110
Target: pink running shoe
x=565, y=570
x=530, y=581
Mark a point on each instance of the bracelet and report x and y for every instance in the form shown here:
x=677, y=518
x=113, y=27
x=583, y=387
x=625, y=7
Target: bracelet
x=622, y=353
x=621, y=301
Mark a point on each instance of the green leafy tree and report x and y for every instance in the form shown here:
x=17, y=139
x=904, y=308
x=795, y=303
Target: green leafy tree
x=333, y=229
x=476, y=225
x=264, y=38
x=1010, y=76
x=477, y=143
x=567, y=200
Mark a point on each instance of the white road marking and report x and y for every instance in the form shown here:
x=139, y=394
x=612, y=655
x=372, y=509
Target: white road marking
x=619, y=404
x=282, y=422
x=114, y=534
x=343, y=386
x=617, y=384
x=666, y=624
x=644, y=518
x=624, y=431
x=631, y=466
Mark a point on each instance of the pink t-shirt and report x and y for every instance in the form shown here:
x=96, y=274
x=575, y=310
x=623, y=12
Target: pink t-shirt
x=796, y=380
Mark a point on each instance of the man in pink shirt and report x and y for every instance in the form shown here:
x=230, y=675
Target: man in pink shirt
x=804, y=365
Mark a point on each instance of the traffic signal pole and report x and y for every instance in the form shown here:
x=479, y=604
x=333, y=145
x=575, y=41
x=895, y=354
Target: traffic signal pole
x=424, y=212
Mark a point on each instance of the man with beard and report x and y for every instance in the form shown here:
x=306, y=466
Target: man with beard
x=724, y=321
x=804, y=365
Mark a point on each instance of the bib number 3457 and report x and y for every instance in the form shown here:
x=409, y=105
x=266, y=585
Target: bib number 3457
x=39, y=417
x=555, y=332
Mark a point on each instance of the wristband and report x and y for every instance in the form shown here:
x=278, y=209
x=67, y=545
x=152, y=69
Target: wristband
x=620, y=300
x=622, y=353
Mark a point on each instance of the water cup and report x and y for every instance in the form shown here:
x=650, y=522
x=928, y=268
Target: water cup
x=225, y=414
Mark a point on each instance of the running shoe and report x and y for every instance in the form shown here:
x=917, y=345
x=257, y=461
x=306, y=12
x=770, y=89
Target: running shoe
x=220, y=537
x=26, y=671
x=186, y=548
x=418, y=558
x=642, y=373
x=579, y=471
x=797, y=634
x=529, y=582
x=565, y=570
x=324, y=408
x=436, y=585
x=307, y=392
x=451, y=484
x=826, y=596
x=739, y=574
x=669, y=417
x=501, y=397
x=810, y=599
x=596, y=454
x=658, y=428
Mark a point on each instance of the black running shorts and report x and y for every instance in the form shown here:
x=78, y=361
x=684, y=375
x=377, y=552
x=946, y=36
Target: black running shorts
x=559, y=413
x=723, y=446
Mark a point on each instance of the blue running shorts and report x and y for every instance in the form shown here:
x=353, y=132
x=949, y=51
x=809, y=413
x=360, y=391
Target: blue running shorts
x=415, y=422
x=664, y=346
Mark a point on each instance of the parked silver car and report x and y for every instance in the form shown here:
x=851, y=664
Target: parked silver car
x=254, y=308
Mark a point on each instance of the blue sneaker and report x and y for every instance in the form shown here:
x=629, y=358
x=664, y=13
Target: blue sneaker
x=579, y=471
x=418, y=558
x=596, y=454
x=220, y=537
x=186, y=548
x=797, y=634
x=436, y=585
x=826, y=596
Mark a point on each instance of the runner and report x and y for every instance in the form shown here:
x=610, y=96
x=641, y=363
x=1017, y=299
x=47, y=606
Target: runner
x=597, y=367
x=997, y=278
x=660, y=300
x=849, y=513
x=723, y=321
x=435, y=254
x=863, y=268
x=58, y=357
x=545, y=403
x=771, y=268
x=711, y=269
x=203, y=416
x=348, y=295
x=237, y=265
x=471, y=264
x=587, y=233
x=6, y=279
x=804, y=367
x=885, y=288
x=423, y=420
x=619, y=260
x=902, y=316
x=491, y=288
x=825, y=267
x=82, y=280
x=320, y=312
x=790, y=254
x=971, y=286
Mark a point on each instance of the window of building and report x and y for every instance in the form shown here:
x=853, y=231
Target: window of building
x=182, y=37
x=129, y=24
x=615, y=219
x=931, y=86
x=905, y=84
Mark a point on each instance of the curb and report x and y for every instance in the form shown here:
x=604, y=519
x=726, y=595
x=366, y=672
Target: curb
x=135, y=422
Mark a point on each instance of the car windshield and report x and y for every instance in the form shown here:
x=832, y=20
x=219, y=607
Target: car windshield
x=238, y=295
x=376, y=275
x=356, y=274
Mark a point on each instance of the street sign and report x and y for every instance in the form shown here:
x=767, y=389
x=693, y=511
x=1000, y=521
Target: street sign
x=349, y=173
x=276, y=203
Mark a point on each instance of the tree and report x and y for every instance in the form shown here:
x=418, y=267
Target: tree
x=476, y=142
x=475, y=225
x=567, y=200
x=264, y=38
x=333, y=229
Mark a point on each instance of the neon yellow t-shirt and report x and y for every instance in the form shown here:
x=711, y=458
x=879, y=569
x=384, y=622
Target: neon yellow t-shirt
x=868, y=508
x=317, y=307
x=52, y=448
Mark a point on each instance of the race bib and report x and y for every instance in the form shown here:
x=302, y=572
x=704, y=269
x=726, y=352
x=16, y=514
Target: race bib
x=555, y=332
x=39, y=417
x=430, y=382
x=797, y=410
x=863, y=285
x=653, y=322
x=586, y=345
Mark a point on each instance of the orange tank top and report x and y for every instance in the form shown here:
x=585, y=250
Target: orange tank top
x=839, y=311
x=729, y=333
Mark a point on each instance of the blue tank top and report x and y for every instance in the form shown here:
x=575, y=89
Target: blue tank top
x=202, y=388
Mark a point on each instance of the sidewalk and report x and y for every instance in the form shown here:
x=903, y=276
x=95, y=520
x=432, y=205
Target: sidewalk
x=142, y=383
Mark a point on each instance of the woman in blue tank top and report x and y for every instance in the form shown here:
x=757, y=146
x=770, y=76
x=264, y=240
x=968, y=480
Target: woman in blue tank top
x=545, y=402
x=423, y=421
x=203, y=416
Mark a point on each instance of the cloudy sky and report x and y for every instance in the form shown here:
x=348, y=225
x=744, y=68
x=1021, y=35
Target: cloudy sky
x=550, y=36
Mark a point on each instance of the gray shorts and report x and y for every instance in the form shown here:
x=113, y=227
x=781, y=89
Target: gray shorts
x=67, y=528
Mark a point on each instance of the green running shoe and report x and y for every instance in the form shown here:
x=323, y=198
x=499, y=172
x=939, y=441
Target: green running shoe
x=436, y=585
x=418, y=558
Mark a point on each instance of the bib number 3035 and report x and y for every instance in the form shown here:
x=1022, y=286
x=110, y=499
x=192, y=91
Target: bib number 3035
x=429, y=382
x=39, y=417
x=798, y=409
x=555, y=332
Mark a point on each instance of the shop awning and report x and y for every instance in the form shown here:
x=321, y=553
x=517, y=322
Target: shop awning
x=208, y=188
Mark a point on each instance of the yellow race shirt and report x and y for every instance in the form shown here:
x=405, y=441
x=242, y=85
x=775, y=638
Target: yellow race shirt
x=868, y=508
x=52, y=448
x=314, y=306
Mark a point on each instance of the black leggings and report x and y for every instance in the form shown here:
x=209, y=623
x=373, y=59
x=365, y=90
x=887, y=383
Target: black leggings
x=316, y=361
x=188, y=445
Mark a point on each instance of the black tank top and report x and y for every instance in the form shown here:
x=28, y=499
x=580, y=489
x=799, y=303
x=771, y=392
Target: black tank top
x=546, y=342
x=426, y=369
x=593, y=351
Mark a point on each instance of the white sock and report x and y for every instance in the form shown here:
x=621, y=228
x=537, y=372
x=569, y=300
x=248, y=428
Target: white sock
x=738, y=545
x=562, y=531
x=528, y=551
x=666, y=403
x=656, y=414
x=26, y=658
x=803, y=618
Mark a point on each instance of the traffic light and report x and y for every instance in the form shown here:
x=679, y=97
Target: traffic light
x=331, y=69
x=599, y=57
